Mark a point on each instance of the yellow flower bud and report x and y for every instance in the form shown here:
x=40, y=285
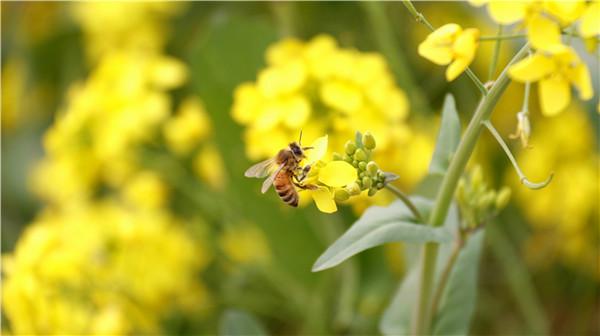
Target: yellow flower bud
x=476, y=179
x=368, y=140
x=360, y=155
x=353, y=189
x=372, y=168
x=341, y=195
x=362, y=165
x=367, y=182
x=350, y=147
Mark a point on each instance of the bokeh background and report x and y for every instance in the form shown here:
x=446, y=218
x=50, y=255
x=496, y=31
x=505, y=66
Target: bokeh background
x=126, y=129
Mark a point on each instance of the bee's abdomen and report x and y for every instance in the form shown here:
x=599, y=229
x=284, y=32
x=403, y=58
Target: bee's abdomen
x=285, y=189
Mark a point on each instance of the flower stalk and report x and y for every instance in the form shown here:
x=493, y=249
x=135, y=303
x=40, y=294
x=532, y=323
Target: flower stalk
x=404, y=198
x=457, y=165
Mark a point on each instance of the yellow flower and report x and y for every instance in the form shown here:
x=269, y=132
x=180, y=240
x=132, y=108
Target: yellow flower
x=209, y=166
x=100, y=268
x=184, y=131
x=555, y=73
x=589, y=21
x=321, y=88
x=450, y=44
x=145, y=190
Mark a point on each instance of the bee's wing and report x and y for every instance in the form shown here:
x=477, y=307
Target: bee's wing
x=269, y=181
x=260, y=169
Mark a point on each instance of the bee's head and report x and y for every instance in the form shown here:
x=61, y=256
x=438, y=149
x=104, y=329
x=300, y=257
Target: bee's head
x=297, y=150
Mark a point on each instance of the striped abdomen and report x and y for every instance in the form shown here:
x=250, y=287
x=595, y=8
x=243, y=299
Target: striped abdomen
x=285, y=188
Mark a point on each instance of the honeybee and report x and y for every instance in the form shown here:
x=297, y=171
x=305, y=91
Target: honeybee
x=287, y=174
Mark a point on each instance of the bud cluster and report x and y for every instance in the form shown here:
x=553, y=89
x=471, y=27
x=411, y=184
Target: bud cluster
x=358, y=153
x=477, y=201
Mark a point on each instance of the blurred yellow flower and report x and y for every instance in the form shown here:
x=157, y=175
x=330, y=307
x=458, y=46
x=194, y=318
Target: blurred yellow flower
x=589, y=21
x=246, y=245
x=555, y=73
x=100, y=268
x=185, y=130
x=134, y=26
x=450, y=44
x=145, y=190
x=209, y=166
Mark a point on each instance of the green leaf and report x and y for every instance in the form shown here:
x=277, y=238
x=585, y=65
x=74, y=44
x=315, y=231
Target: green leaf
x=429, y=186
x=379, y=225
x=448, y=138
x=237, y=322
x=397, y=318
x=461, y=291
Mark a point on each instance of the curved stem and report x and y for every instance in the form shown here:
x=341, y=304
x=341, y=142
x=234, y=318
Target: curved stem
x=522, y=177
x=446, y=192
x=404, y=198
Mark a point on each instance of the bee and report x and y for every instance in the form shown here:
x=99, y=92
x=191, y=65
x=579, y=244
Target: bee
x=287, y=174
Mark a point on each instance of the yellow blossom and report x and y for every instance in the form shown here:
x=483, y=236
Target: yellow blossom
x=188, y=127
x=209, y=166
x=85, y=270
x=452, y=45
x=589, y=21
x=555, y=73
x=145, y=190
x=245, y=245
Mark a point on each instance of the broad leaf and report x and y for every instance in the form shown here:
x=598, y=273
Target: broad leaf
x=398, y=316
x=461, y=291
x=379, y=225
x=237, y=322
x=448, y=137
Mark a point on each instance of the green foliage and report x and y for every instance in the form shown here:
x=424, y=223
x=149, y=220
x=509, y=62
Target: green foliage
x=379, y=225
x=237, y=322
x=458, y=301
x=448, y=137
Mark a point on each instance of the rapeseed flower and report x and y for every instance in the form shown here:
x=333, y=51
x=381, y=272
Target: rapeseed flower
x=321, y=88
x=556, y=72
x=245, y=245
x=83, y=269
x=452, y=45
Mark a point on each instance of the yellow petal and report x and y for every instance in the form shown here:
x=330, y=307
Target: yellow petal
x=478, y=3
x=466, y=44
x=456, y=68
x=590, y=21
x=532, y=68
x=507, y=12
x=565, y=11
x=318, y=151
x=324, y=200
x=440, y=55
x=555, y=95
x=337, y=174
x=581, y=80
x=543, y=33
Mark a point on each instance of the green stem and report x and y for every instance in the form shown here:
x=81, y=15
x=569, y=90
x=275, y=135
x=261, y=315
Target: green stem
x=519, y=281
x=496, y=55
x=502, y=37
x=421, y=19
x=404, y=198
x=446, y=192
x=522, y=177
x=437, y=296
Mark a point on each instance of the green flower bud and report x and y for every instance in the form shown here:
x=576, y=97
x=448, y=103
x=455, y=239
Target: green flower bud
x=362, y=174
x=368, y=140
x=350, y=147
x=337, y=157
x=353, y=189
x=359, y=184
x=360, y=155
x=355, y=163
x=379, y=185
x=372, y=191
x=367, y=182
x=348, y=158
x=476, y=179
x=487, y=200
x=341, y=195
x=460, y=191
x=372, y=168
x=362, y=165
x=381, y=175
x=503, y=198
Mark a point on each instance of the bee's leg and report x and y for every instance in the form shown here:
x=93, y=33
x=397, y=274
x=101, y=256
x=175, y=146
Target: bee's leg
x=306, y=187
x=303, y=173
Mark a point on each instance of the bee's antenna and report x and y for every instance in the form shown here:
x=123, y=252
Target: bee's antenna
x=300, y=139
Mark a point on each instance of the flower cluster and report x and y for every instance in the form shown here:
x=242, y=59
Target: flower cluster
x=320, y=88
x=450, y=44
x=565, y=232
x=477, y=201
x=83, y=269
x=555, y=64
